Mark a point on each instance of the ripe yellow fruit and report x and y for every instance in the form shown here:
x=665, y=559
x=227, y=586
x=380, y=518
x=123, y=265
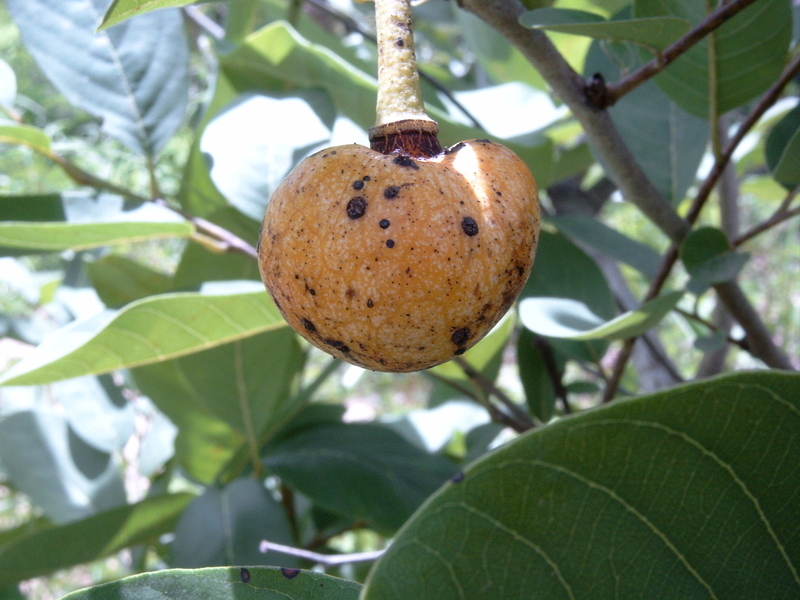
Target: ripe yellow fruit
x=396, y=263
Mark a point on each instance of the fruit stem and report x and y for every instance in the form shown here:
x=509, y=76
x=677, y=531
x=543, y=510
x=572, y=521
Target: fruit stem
x=401, y=125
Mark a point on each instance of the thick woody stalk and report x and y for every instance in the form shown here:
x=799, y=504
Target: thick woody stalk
x=401, y=125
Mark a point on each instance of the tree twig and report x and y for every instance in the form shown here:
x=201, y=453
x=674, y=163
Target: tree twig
x=725, y=11
x=779, y=216
x=326, y=560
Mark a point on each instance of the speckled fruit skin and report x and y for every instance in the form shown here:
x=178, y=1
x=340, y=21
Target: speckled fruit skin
x=399, y=264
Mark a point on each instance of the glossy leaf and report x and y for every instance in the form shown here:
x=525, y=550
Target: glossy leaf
x=149, y=330
x=120, y=10
x=745, y=61
x=140, y=95
x=62, y=474
x=707, y=255
x=226, y=526
x=673, y=495
x=564, y=318
x=610, y=242
x=364, y=471
x=782, y=149
x=241, y=583
x=667, y=141
x=657, y=33
x=58, y=547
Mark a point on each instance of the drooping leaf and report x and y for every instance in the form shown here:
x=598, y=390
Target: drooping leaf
x=57, y=547
x=610, y=242
x=365, y=471
x=667, y=141
x=707, y=255
x=657, y=33
x=745, y=61
x=149, y=330
x=565, y=318
x=225, y=527
x=133, y=77
x=782, y=149
x=687, y=493
x=120, y=10
x=241, y=583
x=62, y=474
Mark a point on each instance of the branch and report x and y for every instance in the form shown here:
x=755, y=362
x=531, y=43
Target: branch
x=622, y=86
x=618, y=161
x=326, y=560
x=779, y=216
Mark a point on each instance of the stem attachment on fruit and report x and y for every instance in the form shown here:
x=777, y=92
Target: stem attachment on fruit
x=402, y=126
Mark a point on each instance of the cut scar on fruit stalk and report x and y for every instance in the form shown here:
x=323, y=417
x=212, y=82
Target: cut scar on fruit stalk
x=401, y=123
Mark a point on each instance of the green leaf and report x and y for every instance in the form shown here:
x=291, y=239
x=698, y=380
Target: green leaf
x=262, y=583
x=225, y=527
x=120, y=10
x=561, y=317
x=687, y=493
x=63, y=475
x=610, y=242
x=745, y=61
x=58, y=547
x=782, y=149
x=140, y=95
x=535, y=377
x=25, y=135
x=656, y=33
x=364, y=471
x=667, y=141
x=149, y=330
x=706, y=253
x=81, y=236
x=119, y=280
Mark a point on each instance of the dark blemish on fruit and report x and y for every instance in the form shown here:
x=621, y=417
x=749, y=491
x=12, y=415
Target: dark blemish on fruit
x=454, y=148
x=460, y=351
x=399, y=42
x=365, y=178
x=406, y=161
x=460, y=336
x=296, y=276
x=245, y=574
x=369, y=303
x=308, y=325
x=313, y=292
x=484, y=140
x=469, y=226
x=289, y=573
x=358, y=184
x=384, y=223
x=334, y=152
x=339, y=345
x=390, y=193
x=357, y=207
x=498, y=193
x=458, y=477
x=324, y=156
x=350, y=293
x=390, y=243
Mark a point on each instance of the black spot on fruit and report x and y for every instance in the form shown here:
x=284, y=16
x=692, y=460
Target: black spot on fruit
x=390, y=193
x=406, y=161
x=390, y=243
x=338, y=344
x=370, y=303
x=469, y=226
x=357, y=207
x=309, y=326
x=358, y=184
x=454, y=148
x=461, y=336
x=384, y=223
x=460, y=351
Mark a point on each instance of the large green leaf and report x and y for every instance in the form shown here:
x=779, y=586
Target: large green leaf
x=58, y=547
x=225, y=527
x=364, y=471
x=61, y=474
x=782, y=149
x=656, y=33
x=667, y=141
x=731, y=65
x=244, y=583
x=134, y=76
x=147, y=331
x=707, y=255
x=120, y=10
x=570, y=319
x=689, y=493
x=119, y=280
